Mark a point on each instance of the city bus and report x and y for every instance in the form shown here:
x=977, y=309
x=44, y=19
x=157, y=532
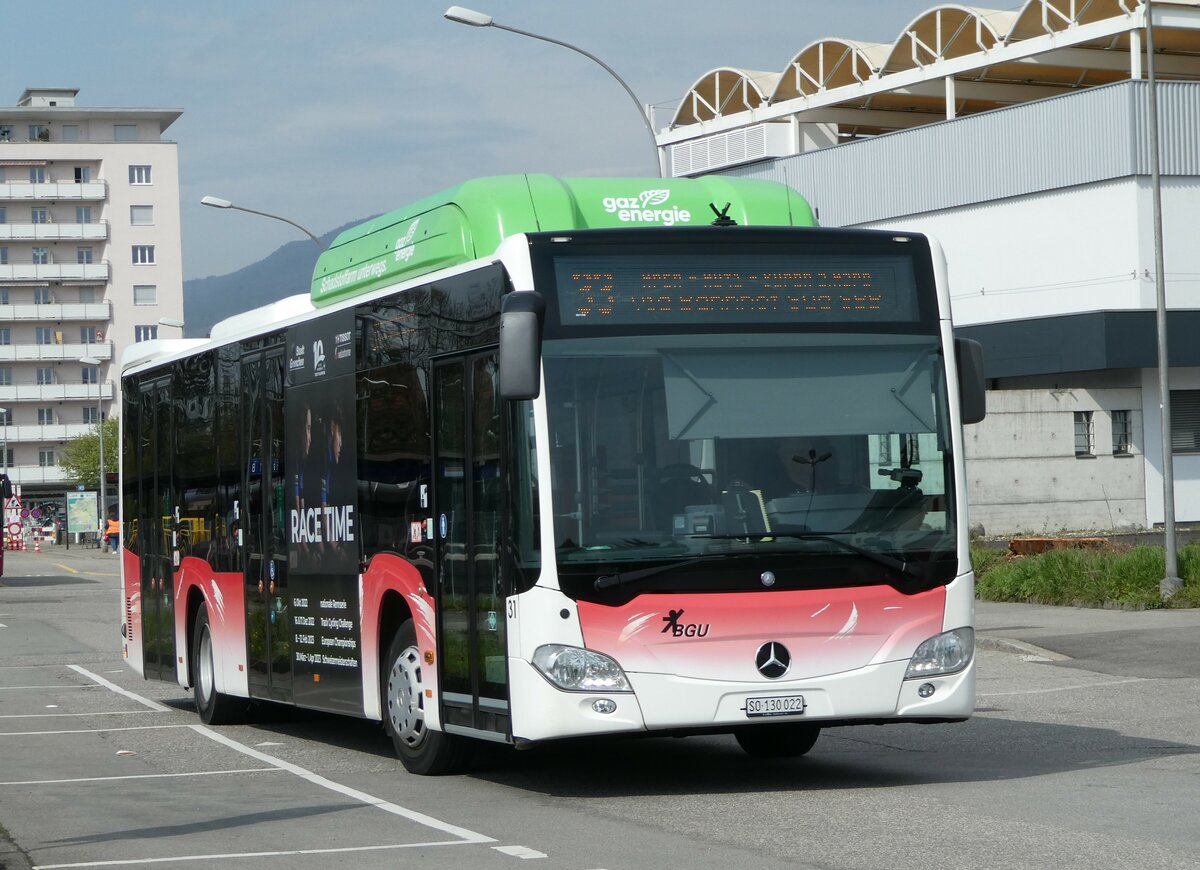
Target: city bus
x=543, y=458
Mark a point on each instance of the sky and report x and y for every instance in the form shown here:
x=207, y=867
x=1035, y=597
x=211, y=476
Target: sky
x=330, y=112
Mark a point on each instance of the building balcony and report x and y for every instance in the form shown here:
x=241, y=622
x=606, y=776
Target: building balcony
x=35, y=433
x=33, y=475
x=67, y=191
x=54, y=393
x=79, y=311
x=54, y=272
x=93, y=232
x=58, y=352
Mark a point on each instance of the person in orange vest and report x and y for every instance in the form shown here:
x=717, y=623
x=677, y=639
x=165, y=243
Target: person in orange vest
x=112, y=533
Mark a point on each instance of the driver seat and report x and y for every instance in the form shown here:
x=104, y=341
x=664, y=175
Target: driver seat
x=680, y=486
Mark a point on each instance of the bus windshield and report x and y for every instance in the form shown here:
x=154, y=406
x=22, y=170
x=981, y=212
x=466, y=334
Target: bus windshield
x=675, y=447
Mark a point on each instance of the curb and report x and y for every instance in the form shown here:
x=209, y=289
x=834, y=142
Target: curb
x=1019, y=647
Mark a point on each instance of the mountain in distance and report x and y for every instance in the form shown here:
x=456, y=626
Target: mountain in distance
x=285, y=272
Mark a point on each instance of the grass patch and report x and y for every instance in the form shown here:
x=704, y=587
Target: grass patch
x=1111, y=577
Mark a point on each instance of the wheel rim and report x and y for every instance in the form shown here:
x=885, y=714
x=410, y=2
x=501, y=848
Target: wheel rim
x=405, y=710
x=205, y=677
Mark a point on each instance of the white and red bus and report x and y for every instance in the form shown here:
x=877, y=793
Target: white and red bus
x=541, y=459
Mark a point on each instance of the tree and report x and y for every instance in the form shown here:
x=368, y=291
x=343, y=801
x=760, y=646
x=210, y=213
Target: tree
x=81, y=457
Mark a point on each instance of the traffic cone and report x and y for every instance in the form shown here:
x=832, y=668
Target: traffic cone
x=37, y=544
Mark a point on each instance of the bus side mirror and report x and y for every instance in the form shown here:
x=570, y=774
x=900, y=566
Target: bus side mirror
x=5, y=487
x=521, y=345
x=972, y=391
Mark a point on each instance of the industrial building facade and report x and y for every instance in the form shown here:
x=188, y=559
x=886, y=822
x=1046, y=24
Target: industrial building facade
x=90, y=261
x=1019, y=140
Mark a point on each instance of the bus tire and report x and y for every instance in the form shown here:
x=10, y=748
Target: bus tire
x=215, y=708
x=422, y=750
x=780, y=740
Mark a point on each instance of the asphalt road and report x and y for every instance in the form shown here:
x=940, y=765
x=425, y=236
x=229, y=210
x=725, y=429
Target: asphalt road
x=1083, y=753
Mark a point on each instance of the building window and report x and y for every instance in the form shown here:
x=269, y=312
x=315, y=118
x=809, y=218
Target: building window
x=91, y=415
x=87, y=295
x=1185, y=421
x=3, y=295
x=5, y=376
x=145, y=294
x=145, y=333
x=83, y=174
x=91, y=374
x=46, y=457
x=37, y=174
x=83, y=214
x=4, y=259
x=1122, y=433
x=88, y=335
x=141, y=215
x=125, y=132
x=143, y=255
x=6, y=133
x=83, y=256
x=1085, y=434
x=5, y=335
x=41, y=296
x=3, y=215
x=6, y=418
x=45, y=375
x=41, y=256
x=140, y=175
x=70, y=132
x=44, y=335
x=39, y=132
x=39, y=215
x=45, y=416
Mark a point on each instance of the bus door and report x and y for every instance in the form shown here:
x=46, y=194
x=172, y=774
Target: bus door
x=268, y=611
x=156, y=511
x=467, y=531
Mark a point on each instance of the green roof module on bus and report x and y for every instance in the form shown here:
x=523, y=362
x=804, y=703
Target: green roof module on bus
x=469, y=221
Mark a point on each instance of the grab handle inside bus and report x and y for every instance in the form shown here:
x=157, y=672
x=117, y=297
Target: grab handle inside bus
x=521, y=345
x=972, y=390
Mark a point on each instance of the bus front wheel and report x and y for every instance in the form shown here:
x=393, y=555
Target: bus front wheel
x=421, y=750
x=780, y=740
x=215, y=708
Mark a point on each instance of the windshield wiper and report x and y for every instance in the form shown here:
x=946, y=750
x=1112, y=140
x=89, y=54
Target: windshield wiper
x=622, y=578
x=884, y=559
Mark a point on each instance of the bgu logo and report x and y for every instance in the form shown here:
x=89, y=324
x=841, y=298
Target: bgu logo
x=640, y=208
x=679, y=629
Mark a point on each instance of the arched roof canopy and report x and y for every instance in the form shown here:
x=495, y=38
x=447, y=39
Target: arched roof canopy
x=1039, y=17
x=829, y=63
x=947, y=31
x=724, y=91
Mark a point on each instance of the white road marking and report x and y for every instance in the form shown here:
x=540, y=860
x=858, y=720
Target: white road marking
x=127, y=862
x=1064, y=688
x=86, y=730
x=143, y=776
x=65, y=715
x=316, y=779
x=31, y=688
x=153, y=705
x=519, y=852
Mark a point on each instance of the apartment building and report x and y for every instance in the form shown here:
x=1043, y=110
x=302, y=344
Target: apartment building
x=1019, y=139
x=90, y=262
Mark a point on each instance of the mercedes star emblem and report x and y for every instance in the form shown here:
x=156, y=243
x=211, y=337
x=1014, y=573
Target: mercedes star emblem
x=773, y=660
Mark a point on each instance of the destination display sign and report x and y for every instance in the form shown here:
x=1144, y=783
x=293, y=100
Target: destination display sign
x=657, y=289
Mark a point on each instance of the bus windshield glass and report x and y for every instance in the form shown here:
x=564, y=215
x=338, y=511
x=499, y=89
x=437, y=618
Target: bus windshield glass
x=671, y=447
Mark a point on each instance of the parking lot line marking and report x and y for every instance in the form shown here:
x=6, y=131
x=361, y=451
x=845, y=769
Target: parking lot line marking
x=86, y=730
x=64, y=567
x=11, y=688
x=1065, y=688
x=523, y=852
x=125, y=862
x=316, y=779
x=111, y=686
x=144, y=776
x=65, y=715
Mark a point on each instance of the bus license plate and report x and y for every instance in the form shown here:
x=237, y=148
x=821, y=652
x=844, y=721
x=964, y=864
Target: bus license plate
x=776, y=705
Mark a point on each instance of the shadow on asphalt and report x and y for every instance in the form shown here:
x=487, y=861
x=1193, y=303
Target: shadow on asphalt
x=55, y=580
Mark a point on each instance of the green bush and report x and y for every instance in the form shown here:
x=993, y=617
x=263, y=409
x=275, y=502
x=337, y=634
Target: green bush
x=1096, y=578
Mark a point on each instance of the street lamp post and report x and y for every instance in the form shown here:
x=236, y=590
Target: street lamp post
x=217, y=202
x=93, y=361
x=462, y=15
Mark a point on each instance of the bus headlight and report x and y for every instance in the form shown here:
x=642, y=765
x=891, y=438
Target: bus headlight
x=946, y=653
x=579, y=670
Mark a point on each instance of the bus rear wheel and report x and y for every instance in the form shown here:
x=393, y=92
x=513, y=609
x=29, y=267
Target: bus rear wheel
x=422, y=750
x=780, y=740
x=215, y=708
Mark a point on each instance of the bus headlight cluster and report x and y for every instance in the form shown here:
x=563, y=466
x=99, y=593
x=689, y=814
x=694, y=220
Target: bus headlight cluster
x=946, y=653
x=579, y=670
